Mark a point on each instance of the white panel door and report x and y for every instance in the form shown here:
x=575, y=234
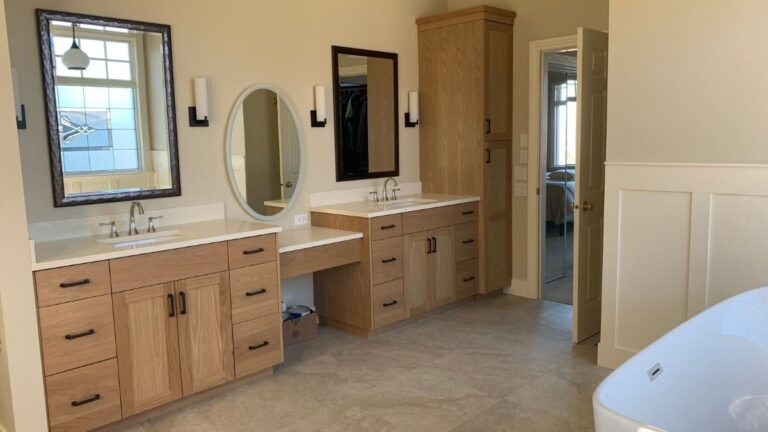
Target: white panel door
x=592, y=78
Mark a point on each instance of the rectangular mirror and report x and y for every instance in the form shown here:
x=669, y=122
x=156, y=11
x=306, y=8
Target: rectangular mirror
x=110, y=108
x=365, y=113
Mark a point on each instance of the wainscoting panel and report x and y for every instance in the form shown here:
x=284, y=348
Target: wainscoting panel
x=678, y=238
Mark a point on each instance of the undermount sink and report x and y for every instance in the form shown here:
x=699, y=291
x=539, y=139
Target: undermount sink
x=406, y=202
x=140, y=239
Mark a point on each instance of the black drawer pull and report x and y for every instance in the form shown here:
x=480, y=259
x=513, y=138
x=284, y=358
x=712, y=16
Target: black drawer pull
x=261, y=345
x=388, y=304
x=87, y=400
x=467, y=213
x=388, y=260
x=253, y=293
x=253, y=251
x=171, y=305
x=470, y=241
x=79, y=335
x=434, y=244
x=388, y=226
x=469, y=279
x=85, y=281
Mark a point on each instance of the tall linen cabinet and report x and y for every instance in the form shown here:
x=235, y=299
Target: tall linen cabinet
x=465, y=81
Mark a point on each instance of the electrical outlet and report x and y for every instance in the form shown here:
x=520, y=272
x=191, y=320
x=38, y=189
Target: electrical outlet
x=524, y=140
x=521, y=173
x=521, y=189
x=301, y=219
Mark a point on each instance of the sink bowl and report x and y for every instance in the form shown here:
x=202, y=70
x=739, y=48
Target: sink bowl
x=406, y=202
x=141, y=239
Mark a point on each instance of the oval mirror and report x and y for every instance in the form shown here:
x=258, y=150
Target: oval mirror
x=264, y=152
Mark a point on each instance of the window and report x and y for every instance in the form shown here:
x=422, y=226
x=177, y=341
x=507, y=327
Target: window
x=565, y=123
x=97, y=115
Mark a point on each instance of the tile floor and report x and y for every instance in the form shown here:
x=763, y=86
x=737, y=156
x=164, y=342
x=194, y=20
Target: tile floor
x=500, y=363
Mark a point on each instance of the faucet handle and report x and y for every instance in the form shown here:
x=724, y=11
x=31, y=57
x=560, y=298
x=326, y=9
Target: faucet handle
x=375, y=196
x=151, y=223
x=394, y=193
x=113, y=228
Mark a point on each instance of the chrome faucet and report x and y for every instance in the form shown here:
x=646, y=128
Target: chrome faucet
x=132, y=219
x=394, y=193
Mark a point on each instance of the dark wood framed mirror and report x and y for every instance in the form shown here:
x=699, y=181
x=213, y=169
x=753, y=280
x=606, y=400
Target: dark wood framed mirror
x=110, y=108
x=365, y=113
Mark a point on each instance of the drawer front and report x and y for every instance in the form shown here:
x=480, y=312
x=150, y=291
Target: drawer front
x=66, y=284
x=386, y=227
x=388, y=303
x=167, y=266
x=252, y=250
x=466, y=212
x=85, y=398
x=258, y=344
x=466, y=241
x=386, y=260
x=255, y=292
x=76, y=334
x=467, y=279
x=424, y=220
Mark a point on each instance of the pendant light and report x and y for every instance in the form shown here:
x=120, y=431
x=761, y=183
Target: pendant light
x=75, y=58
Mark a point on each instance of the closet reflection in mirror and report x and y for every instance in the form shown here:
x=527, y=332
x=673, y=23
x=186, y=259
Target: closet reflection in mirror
x=365, y=103
x=110, y=108
x=264, y=152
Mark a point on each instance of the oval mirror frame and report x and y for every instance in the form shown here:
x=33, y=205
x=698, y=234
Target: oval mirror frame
x=228, y=150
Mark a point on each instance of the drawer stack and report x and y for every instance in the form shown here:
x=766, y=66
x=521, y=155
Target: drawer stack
x=387, y=270
x=255, y=292
x=467, y=243
x=77, y=333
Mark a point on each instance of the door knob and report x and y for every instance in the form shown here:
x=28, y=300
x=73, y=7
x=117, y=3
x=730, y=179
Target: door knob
x=587, y=206
x=574, y=206
x=289, y=184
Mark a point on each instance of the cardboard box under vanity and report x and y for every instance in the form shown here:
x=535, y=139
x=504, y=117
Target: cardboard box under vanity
x=300, y=329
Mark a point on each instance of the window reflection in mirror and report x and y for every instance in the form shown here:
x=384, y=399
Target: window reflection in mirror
x=109, y=123
x=365, y=98
x=265, y=152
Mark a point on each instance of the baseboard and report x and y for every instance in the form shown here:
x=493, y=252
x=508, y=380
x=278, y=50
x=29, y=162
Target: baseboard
x=521, y=288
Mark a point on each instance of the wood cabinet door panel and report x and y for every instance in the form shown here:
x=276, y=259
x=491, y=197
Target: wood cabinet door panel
x=205, y=332
x=147, y=347
x=442, y=270
x=388, y=303
x=416, y=277
x=497, y=218
x=498, y=81
x=467, y=241
x=386, y=260
x=258, y=344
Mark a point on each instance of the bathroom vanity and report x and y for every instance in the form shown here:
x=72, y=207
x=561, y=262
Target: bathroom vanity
x=419, y=253
x=125, y=329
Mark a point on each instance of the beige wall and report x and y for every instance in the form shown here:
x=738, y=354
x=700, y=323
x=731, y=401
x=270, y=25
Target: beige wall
x=536, y=19
x=21, y=383
x=686, y=81
x=286, y=43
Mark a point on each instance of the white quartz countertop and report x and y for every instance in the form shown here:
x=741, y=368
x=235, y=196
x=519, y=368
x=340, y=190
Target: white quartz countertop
x=80, y=250
x=404, y=204
x=303, y=238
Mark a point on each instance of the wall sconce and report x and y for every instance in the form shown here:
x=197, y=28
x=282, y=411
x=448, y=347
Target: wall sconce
x=318, y=116
x=21, y=111
x=412, y=116
x=198, y=114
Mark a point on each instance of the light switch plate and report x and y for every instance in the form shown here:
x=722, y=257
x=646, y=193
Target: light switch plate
x=300, y=219
x=521, y=189
x=521, y=173
x=524, y=140
x=523, y=157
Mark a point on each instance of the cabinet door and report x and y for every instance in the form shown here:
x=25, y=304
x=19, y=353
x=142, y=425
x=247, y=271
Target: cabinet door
x=498, y=81
x=497, y=269
x=416, y=277
x=147, y=347
x=205, y=332
x=442, y=271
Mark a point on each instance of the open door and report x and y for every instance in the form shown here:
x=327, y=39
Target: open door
x=592, y=78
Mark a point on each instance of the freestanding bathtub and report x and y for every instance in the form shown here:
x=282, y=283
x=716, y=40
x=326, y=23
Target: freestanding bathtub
x=710, y=374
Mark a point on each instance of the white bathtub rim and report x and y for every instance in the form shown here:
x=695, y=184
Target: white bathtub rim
x=597, y=402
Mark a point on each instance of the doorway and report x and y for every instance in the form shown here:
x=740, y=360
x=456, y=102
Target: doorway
x=567, y=134
x=558, y=187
